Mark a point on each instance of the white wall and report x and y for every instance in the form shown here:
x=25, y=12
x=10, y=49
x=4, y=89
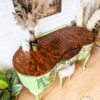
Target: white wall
x=11, y=34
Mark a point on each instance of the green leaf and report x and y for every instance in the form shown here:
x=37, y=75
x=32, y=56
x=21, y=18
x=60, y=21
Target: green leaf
x=6, y=96
x=9, y=73
x=1, y=73
x=16, y=89
x=4, y=77
x=13, y=98
x=15, y=78
x=3, y=84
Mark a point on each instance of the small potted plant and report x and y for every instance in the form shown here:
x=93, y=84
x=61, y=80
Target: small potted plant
x=9, y=85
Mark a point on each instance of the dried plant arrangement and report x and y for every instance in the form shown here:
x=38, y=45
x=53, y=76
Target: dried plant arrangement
x=28, y=12
x=89, y=15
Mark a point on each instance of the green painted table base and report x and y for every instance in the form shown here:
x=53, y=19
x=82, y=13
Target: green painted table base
x=36, y=85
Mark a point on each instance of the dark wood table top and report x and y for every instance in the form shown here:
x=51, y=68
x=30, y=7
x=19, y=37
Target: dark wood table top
x=53, y=48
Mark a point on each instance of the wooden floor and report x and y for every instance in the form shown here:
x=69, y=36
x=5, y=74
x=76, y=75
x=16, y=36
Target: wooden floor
x=84, y=85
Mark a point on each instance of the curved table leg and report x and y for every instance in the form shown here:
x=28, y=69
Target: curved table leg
x=37, y=97
x=85, y=61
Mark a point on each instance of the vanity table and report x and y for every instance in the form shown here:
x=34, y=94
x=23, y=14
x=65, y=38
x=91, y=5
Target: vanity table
x=56, y=51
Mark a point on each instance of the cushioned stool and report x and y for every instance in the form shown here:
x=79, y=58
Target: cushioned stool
x=66, y=69
x=66, y=72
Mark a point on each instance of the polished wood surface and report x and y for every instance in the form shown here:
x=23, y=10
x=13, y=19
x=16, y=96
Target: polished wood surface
x=84, y=83
x=52, y=48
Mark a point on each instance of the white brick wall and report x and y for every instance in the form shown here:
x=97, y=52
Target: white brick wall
x=11, y=34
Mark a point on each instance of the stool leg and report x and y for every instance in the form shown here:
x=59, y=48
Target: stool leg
x=85, y=61
x=69, y=77
x=37, y=97
x=62, y=79
x=61, y=82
